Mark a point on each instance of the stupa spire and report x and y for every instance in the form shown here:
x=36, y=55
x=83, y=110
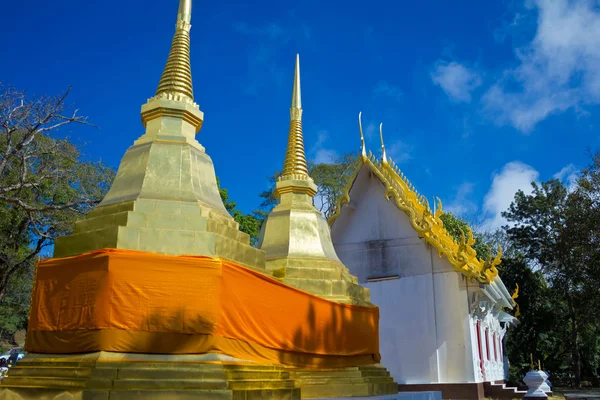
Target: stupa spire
x=295, y=159
x=176, y=78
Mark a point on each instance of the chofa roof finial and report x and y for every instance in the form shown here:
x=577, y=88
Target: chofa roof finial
x=383, y=154
x=363, y=149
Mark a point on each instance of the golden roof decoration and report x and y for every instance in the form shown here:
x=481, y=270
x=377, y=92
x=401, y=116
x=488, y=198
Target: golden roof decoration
x=513, y=297
x=428, y=224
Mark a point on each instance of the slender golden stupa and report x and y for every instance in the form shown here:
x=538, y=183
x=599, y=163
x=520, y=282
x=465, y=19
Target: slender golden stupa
x=165, y=198
x=296, y=237
x=158, y=295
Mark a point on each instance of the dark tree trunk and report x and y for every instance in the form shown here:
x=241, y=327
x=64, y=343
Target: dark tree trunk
x=576, y=355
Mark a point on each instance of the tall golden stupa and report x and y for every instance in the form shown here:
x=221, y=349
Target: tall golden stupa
x=158, y=295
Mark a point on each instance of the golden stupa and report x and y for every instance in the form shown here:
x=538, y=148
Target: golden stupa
x=158, y=295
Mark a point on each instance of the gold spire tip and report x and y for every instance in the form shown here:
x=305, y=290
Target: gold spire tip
x=296, y=92
x=185, y=11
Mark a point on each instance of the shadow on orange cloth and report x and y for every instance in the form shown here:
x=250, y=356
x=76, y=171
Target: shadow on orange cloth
x=137, y=302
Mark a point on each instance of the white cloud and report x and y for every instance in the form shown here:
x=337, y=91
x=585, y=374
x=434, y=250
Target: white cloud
x=370, y=130
x=321, y=154
x=456, y=80
x=513, y=177
x=399, y=152
x=265, y=42
x=558, y=70
x=461, y=205
x=325, y=156
x=384, y=88
x=568, y=175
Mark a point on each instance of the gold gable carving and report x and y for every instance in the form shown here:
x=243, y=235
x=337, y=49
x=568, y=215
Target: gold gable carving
x=427, y=224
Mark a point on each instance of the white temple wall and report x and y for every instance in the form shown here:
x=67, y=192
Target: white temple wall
x=378, y=236
x=407, y=328
x=427, y=331
x=455, y=359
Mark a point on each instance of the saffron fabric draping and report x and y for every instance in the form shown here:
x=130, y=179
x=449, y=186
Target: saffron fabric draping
x=138, y=302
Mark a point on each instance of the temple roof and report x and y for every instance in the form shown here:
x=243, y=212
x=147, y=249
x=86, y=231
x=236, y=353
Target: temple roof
x=426, y=222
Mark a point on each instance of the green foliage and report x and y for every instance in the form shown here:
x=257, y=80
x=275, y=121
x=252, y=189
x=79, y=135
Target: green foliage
x=45, y=186
x=249, y=223
x=540, y=331
x=331, y=179
x=14, y=306
x=557, y=232
x=458, y=229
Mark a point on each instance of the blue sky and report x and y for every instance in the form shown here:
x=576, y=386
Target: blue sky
x=477, y=97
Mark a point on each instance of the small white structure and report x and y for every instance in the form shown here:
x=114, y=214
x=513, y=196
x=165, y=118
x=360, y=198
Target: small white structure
x=546, y=385
x=534, y=381
x=441, y=318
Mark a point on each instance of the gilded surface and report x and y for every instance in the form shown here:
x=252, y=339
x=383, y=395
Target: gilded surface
x=428, y=225
x=296, y=237
x=513, y=297
x=177, y=75
x=295, y=159
x=165, y=198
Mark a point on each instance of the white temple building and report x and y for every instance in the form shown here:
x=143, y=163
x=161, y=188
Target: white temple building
x=442, y=324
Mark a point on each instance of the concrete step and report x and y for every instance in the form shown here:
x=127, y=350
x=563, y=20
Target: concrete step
x=169, y=384
x=502, y=391
x=348, y=390
x=313, y=272
x=44, y=381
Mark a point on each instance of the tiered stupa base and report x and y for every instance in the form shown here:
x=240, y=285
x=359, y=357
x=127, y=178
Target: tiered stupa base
x=115, y=376
x=163, y=227
x=365, y=381
x=325, y=278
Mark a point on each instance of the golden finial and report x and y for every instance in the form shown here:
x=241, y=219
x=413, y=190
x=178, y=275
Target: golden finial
x=295, y=159
x=531, y=366
x=296, y=94
x=513, y=297
x=383, y=155
x=176, y=79
x=439, y=208
x=185, y=11
x=363, y=149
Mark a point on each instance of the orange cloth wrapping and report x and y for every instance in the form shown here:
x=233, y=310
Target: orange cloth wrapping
x=137, y=302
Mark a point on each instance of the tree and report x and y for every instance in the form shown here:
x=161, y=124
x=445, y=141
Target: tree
x=330, y=178
x=44, y=183
x=555, y=230
x=458, y=229
x=540, y=332
x=249, y=223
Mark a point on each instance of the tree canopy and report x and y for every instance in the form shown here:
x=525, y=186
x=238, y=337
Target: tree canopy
x=45, y=185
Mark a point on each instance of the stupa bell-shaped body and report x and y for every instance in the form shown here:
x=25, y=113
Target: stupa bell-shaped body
x=165, y=197
x=296, y=236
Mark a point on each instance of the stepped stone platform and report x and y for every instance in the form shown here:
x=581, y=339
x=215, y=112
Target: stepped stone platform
x=325, y=278
x=372, y=380
x=115, y=376
x=103, y=376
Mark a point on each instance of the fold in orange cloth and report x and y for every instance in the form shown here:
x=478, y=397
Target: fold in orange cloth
x=137, y=302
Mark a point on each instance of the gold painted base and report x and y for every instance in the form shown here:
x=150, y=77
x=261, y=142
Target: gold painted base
x=164, y=227
x=365, y=381
x=114, y=376
x=325, y=278
x=164, y=200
